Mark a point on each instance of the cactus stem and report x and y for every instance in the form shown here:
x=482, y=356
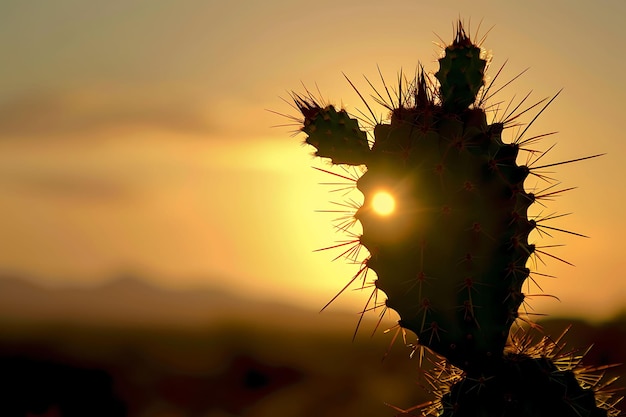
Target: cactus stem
x=419, y=280
x=457, y=186
x=434, y=330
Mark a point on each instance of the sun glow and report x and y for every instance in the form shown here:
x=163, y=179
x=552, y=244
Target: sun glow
x=383, y=203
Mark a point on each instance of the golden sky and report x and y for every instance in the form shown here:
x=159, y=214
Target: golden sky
x=134, y=136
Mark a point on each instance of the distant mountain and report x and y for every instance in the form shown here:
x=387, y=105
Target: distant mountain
x=133, y=301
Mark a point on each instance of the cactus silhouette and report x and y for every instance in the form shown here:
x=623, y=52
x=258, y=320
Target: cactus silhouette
x=452, y=256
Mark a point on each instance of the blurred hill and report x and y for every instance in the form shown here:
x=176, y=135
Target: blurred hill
x=125, y=301
x=130, y=349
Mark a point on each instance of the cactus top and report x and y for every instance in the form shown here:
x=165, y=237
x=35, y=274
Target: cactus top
x=461, y=73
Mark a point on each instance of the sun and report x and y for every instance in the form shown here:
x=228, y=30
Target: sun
x=383, y=203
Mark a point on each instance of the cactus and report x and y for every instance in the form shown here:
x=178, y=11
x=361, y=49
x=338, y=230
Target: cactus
x=452, y=257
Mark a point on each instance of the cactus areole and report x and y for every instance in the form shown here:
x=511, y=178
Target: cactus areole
x=451, y=256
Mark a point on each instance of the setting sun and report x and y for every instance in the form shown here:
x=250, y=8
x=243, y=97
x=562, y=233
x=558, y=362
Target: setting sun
x=383, y=203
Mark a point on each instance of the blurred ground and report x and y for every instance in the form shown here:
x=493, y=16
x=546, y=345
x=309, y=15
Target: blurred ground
x=239, y=358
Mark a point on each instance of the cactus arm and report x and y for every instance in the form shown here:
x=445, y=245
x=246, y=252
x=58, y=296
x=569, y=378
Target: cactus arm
x=334, y=134
x=461, y=72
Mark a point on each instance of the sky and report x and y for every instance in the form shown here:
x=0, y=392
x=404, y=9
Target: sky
x=135, y=136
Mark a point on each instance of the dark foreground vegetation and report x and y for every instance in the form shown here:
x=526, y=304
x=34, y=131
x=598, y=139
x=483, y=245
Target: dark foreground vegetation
x=258, y=361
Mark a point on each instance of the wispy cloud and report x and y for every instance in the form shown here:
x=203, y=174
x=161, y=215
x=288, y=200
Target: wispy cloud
x=69, y=186
x=80, y=111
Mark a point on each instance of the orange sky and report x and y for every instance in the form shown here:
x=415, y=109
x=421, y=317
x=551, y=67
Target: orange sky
x=134, y=136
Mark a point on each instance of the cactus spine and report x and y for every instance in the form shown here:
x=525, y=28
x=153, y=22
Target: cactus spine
x=452, y=257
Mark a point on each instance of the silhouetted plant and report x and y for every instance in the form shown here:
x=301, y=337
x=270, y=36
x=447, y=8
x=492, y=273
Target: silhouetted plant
x=452, y=256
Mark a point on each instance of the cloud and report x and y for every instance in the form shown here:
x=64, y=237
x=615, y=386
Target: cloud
x=69, y=187
x=80, y=111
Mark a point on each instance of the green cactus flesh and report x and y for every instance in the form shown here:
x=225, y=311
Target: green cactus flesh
x=452, y=256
